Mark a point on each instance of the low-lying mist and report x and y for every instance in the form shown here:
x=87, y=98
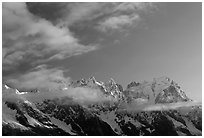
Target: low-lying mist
x=81, y=95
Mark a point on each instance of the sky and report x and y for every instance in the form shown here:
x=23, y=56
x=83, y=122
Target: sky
x=45, y=43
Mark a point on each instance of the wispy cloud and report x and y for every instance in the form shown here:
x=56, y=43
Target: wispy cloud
x=28, y=37
x=135, y=6
x=117, y=22
x=124, y=15
x=83, y=11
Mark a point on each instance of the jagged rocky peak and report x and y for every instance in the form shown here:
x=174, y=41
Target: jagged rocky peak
x=109, y=88
x=114, y=89
x=111, y=84
x=171, y=95
x=83, y=81
x=169, y=91
x=22, y=115
x=93, y=82
x=78, y=83
x=120, y=87
x=112, y=81
x=160, y=90
x=93, y=79
x=133, y=84
x=162, y=79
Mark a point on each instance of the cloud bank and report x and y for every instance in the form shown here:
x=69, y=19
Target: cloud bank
x=40, y=78
x=81, y=95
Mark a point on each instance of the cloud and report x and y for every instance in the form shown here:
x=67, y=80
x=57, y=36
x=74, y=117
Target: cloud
x=78, y=95
x=134, y=6
x=27, y=37
x=83, y=11
x=170, y=106
x=67, y=13
x=87, y=95
x=51, y=84
x=124, y=15
x=98, y=14
x=40, y=78
x=118, y=22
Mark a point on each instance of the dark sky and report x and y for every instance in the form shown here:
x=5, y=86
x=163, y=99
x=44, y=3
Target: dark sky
x=126, y=42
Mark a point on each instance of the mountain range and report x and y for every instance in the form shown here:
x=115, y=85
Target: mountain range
x=90, y=107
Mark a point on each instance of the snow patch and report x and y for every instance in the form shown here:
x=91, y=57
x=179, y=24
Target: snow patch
x=7, y=87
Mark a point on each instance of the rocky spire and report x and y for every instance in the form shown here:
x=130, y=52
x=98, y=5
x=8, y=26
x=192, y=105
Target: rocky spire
x=93, y=79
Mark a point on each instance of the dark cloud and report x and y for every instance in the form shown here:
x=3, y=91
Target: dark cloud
x=52, y=11
x=111, y=15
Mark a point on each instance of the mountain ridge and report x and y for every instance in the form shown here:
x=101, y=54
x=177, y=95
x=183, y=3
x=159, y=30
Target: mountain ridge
x=141, y=109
